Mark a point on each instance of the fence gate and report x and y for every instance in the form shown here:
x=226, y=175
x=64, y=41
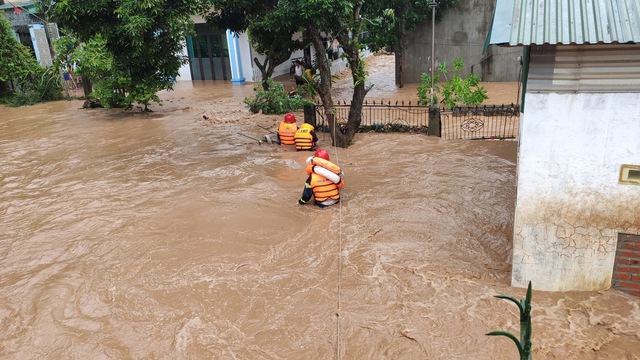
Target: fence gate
x=480, y=122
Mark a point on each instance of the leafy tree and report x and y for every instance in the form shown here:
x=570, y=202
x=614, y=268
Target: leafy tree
x=18, y=66
x=144, y=38
x=357, y=25
x=354, y=23
x=345, y=20
x=454, y=91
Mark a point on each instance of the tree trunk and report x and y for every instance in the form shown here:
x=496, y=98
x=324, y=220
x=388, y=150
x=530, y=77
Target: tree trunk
x=263, y=71
x=400, y=47
x=324, y=87
x=400, y=59
x=352, y=49
x=86, y=86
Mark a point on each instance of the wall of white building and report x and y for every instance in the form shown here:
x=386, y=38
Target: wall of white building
x=570, y=204
x=184, y=73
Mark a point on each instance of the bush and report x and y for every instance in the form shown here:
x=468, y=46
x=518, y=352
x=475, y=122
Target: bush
x=45, y=85
x=455, y=91
x=275, y=100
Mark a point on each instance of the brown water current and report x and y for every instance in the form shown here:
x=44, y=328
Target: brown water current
x=169, y=235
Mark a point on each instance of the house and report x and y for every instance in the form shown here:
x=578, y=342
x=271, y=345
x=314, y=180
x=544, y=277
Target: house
x=224, y=55
x=577, y=214
x=30, y=29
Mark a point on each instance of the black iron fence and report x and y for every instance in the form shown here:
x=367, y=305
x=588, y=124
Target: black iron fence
x=465, y=122
x=480, y=122
x=381, y=116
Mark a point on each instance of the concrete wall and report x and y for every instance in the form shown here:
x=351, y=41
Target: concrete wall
x=570, y=206
x=462, y=32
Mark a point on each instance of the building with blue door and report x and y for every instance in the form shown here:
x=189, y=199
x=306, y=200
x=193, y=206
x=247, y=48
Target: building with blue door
x=223, y=55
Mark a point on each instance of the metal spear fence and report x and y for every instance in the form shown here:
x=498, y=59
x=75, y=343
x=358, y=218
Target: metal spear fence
x=465, y=122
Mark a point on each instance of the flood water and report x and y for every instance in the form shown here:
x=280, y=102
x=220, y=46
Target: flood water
x=173, y=235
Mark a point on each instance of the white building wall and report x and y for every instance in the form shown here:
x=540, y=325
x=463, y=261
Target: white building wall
x=246, y=58
x=570, y=205
x=184, y=73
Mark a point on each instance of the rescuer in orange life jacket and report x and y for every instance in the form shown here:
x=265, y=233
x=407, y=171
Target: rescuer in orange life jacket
x=305, y=137
x=287, y=130
x=324, y=182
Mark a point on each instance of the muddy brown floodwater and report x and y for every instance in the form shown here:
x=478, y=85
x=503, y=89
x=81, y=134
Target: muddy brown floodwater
x=170, y=236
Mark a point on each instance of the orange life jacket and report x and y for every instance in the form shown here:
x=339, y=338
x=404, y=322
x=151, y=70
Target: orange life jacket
x=324, y=189
x=287, y=131
x=303, y=137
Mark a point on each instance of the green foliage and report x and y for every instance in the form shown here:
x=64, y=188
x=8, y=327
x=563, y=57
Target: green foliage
x=18, y=66
x=44, y=86
x=23, y=80
x=454, y=91
x=275, y=100
x=142, y=43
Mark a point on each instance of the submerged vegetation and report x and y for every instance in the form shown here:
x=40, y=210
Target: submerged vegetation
x=455, y=91
x=275, y=100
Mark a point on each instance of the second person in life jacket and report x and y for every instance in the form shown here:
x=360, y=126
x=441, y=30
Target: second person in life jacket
x=287, y=130
x=324, y=181
x=305, y=138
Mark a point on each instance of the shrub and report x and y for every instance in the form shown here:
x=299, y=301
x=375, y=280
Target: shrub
x=275, y=100
x=455, y=91
x=44, y=86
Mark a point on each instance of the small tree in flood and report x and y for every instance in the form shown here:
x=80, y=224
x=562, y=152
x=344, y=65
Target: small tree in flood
x=145, y=39
x=454, y=91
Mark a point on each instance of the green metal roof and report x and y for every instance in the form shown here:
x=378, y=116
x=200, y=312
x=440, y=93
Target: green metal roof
x=527, y=22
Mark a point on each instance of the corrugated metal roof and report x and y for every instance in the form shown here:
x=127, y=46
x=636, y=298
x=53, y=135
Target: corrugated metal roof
x=527, y=22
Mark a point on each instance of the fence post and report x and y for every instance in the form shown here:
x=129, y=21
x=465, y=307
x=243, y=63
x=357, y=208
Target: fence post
x=310, y=114
x=434, y=121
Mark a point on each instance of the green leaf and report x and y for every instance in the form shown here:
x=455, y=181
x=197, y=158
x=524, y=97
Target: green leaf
x=510, y=336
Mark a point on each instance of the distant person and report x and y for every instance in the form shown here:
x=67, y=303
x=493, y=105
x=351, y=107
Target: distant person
x=287, y=130
x=324, y=181
x=68, y=76
x=298, y=72
x=305, y=137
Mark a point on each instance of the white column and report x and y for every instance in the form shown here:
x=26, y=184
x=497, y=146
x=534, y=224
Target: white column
x=235, y=58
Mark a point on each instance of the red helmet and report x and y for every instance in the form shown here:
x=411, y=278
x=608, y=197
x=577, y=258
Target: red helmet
x=322, y=153
x=290, y=118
